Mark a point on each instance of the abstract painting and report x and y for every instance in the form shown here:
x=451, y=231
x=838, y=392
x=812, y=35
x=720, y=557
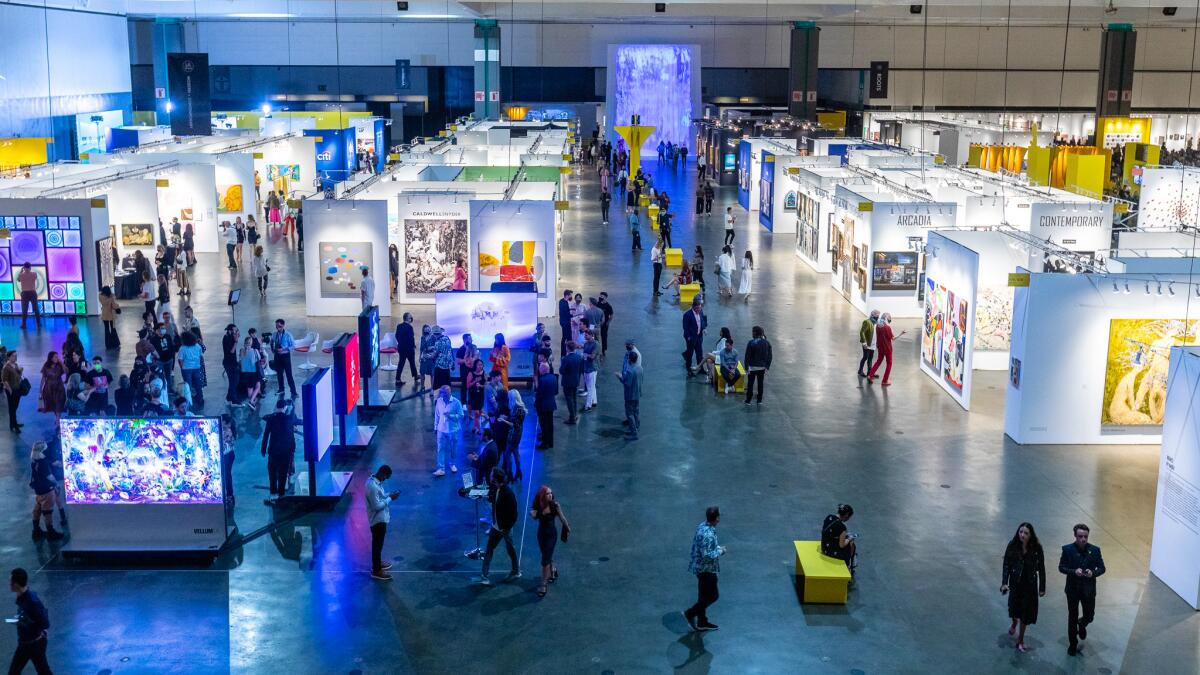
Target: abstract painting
x=512, y=261
x=229, y=198
x=341, y=267
x=655, y=81
x=934, y=325
x=993, y=319
x=288, y=171
x=137, y=234
x=431, y=248
x=1135, y=376
x=954, y=342
x=894, y=271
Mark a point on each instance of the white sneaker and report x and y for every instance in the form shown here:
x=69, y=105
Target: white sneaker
x=439, y=473
x=728, y=389
x=453, y=468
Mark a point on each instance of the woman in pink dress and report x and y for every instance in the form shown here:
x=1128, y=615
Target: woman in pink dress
x=460, y=276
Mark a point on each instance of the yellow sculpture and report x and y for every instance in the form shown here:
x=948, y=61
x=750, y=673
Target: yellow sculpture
x=635, y=135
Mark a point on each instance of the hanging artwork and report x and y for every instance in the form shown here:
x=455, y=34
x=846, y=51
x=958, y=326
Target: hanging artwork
x=341, y=267
x=431, y=248
x=288, y=171
x=789, y=201
x=1135, y=376
x=993, y=319
x=894, y=271
x=229, y=198
x=934, y=325
x=954, y=342
x=512, y=261
x=106, y=261
x=137, y=234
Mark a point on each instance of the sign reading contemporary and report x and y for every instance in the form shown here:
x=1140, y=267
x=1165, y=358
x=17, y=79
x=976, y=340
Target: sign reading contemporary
x=191, y=100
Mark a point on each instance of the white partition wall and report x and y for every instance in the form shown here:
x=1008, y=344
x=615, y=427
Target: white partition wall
x=295, y=151
x=1084, y=227
x=946, y=338
x=998, y=257
x=434, y=232
x=1175, y=549
x=500, y=228
x=133, y=205
x=191, y=196
x=1090, y=357
x=340, y=238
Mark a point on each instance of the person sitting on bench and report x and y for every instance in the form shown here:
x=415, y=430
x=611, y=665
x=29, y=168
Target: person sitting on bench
x=837, y=541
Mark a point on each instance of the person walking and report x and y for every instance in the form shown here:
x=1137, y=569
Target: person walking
x=1023, y=579
x=725, y=272
x=189, y=244
x=758, y=362
x=631, y=383
x=191, y=366
x=447, y=423
x=635, y=231
x=12, y=377
x=746, y=283
x=109, y=309
x=229, y=361
x=279, y=447
x=504, y=517
x=695, y=322
x=570, y=371
x=605, y=204
x=443, y=358
x=239, y=230
x=28, y=281
x=260, y=268
x=547, y=512
x=705, y=564
x=427, y=350
x=366, y=288
x=283, y=344
x=500, y=356
x=1082, y=563
x=607, y=310
x=729, y=221
x=33, y=624
x=657, y=257
x=664, y=228
x=709, y=195
x=230, y=237
x=379, y=514
x=701, y=166
x=406, y=347
x=883, y=341
x=866, y=339
x=544, y=395
x=42, y=483
x=698, y=267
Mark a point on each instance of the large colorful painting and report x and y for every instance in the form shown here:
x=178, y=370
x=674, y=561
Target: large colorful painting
x=137, y=234
x=1135, y=377
x=288, y=171
x=341, y=267
x=431, y=248
x=944, y=333
x=512, y=261
x=53, y=247
x=229, y=198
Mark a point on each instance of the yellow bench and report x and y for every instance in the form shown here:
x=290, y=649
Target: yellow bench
x=674, y=257
x=686, y=293
x=652, y=212
x=826, y=579
x=719, y=380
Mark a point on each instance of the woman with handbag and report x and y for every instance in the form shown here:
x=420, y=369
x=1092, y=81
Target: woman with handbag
x=15, y=387
x=546, y=511
x=260, y=268
x=109, y=309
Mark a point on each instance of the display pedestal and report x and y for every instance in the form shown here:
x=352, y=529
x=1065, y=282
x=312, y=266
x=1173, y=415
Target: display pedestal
x=320, y=488
x=351, y=435
x=373, y=397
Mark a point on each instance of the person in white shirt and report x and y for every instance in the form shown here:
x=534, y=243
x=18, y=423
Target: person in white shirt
x=447, y=421
x=230, y=238
x=656, y=257
x=367, y=288
x=725, y=272
x=729, y=221
x=378, y=503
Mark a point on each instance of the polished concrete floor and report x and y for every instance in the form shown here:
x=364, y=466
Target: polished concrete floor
x=937, y=491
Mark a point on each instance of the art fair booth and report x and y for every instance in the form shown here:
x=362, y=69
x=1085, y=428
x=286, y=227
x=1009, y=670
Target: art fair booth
x=778, y=190
x=815, y=187
x=341, y=238
x=949, y=312
x=750, y=164
x=66, y=243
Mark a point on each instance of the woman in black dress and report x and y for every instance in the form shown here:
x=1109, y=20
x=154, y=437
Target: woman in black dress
x=476, y=381
x=1024, y=580
x=546, y=511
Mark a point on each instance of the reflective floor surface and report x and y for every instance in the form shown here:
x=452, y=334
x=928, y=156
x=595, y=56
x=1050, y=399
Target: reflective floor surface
x=937, y=493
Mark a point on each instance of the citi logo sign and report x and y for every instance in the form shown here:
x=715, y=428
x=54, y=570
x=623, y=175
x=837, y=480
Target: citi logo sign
x=324, y=156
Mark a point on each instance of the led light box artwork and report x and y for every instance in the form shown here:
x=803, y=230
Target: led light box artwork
x=121, y=460
x=53, y=247
x=655, y=81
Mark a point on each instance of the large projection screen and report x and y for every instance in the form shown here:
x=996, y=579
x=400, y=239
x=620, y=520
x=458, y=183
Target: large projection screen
x=483, y=314
x=659, y=82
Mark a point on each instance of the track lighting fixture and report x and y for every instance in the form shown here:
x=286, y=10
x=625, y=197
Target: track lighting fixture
x=1160, y=288
x=1147, y=288
x=1171, y=288
x=1127, y=291
x=1114, y=287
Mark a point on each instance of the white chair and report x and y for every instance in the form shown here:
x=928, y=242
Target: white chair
x=327, y=346
x=305, y=347
x=388, y=346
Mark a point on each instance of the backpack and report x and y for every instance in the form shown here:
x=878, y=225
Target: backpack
x=829, y=542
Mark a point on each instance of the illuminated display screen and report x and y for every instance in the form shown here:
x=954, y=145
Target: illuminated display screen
x=655, y=81
x=122, y=460
x=53, y=247
x=368, y=326
x=318, y=415
x=346, y=373
x=483, y=314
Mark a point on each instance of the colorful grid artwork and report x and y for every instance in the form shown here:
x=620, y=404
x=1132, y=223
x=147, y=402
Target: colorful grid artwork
x=52, y=245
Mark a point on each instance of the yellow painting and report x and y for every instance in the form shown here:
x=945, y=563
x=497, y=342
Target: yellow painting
x=1135, y=378
x=229, y=198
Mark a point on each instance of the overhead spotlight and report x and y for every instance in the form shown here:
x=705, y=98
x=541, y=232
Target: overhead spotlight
x=1171, y=288
x=1147, y=288
x=354, y=207
x=660, y=7
x=1127, y=291
x=915, y=9
x=1115, y=288
x=401, y=6
x=1170, y=11
x=1160, y=288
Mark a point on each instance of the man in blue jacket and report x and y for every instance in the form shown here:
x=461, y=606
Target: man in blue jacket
x=694, y=324
x=571, y=371
x=544, y=395
x=32, y=623
x=1082, y=563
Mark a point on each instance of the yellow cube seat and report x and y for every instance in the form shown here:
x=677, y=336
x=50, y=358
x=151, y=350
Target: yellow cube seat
x=719, y=380
x=652, y=213
x=826, y=580
x=674, y=257
x=686, y=293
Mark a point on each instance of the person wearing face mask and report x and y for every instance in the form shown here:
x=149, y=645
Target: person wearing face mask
x=98, y=381
x=165, y=347
x=1081, y=562
x=866, y=339
x=379, y=514
x=883, y=342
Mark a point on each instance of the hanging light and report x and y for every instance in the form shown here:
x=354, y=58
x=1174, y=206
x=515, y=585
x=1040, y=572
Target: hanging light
x=1114, y=287
x=1160, y=288
x=1171, y=288
x=1127, y=291
x=1147, y=288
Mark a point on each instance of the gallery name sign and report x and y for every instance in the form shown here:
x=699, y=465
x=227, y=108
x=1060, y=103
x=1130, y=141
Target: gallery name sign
x=914, y=220
x=435, y=214
x=1071, y=221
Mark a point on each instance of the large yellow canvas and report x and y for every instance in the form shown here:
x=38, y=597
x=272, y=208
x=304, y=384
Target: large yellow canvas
x=1135, y=377
x=229, y=198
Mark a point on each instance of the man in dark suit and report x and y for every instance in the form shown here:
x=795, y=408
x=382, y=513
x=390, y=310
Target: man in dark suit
x=571, y=371
x=564, y=320
x=694, y=325
x=544, y=395
x=279, y=447
x=406, y=347
x=1082, y=563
